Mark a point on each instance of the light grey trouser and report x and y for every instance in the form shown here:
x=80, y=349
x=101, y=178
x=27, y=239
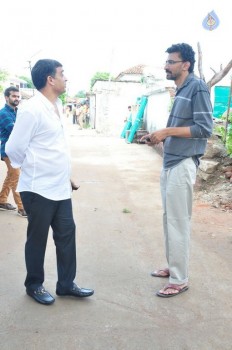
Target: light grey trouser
x=177, y=197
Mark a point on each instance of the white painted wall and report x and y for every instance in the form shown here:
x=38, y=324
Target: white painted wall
x=157, y=111
x=112, y=100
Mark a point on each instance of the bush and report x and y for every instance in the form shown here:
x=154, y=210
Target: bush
x=226, y=135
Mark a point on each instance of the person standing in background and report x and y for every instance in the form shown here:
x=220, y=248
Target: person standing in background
x=7, y=121
x=127, y=118
x=81, y=116
x=67, y=111
x=74, y=114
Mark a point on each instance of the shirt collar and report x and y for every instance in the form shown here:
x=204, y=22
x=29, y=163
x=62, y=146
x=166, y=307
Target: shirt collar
x=186, y=81
x=46, y=102
x=11, y=109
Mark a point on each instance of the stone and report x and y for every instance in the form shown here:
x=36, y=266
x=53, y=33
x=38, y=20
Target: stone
x=214, y=150
x=204, y=176
x=208, y=166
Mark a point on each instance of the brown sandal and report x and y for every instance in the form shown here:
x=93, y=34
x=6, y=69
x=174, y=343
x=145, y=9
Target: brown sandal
x=161, y=273
x=172, y=286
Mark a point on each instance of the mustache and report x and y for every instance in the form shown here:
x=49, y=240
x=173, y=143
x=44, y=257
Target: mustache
x=168, y=71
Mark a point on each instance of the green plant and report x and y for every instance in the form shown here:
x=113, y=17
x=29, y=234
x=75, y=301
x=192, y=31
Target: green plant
x=3, y=77
x=28, y=80
x=229, y=139
x=126, y=211
x=86, y=126
x=100, y=76
x=81, y=94
x=225, y=132
x=63, y=98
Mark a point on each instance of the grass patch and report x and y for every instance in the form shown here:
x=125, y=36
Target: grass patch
x=126, y=211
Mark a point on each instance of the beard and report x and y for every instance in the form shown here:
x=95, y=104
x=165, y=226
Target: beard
x=171, y=76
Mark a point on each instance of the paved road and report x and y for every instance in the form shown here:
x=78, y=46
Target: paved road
x=119, y=219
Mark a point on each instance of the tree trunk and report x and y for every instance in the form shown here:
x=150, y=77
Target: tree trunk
x=218, y=76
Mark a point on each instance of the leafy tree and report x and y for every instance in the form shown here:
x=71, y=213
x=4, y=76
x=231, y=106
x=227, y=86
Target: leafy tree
x=63, y=98
x=28, y=80
x=99, y=76
x=81, y=94
x=3, y=77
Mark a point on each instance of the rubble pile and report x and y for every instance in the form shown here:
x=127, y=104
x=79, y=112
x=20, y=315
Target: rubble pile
x=214, y=180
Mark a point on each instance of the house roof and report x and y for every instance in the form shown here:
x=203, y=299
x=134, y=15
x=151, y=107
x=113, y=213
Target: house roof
x=133, y=70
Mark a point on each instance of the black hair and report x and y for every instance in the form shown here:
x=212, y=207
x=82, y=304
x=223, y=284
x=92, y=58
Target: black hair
x=9, y=90
x=186, y=53
x=43, y=69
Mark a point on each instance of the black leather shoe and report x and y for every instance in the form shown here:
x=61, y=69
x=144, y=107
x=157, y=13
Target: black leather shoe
x=76, y=291
x=40, y=295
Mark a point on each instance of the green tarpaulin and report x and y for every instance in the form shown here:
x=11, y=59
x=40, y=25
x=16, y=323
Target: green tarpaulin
x=221, y=99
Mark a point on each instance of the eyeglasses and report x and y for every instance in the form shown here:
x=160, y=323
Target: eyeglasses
x=172, y=62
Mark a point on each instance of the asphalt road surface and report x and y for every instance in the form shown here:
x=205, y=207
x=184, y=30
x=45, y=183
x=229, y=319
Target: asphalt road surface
x=119, y=242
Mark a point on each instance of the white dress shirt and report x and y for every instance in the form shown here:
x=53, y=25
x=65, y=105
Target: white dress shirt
x=39, y=147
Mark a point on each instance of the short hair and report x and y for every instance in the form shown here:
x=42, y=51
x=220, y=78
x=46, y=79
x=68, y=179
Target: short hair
x=43, y=69
x=186, y=53
x=9, y=90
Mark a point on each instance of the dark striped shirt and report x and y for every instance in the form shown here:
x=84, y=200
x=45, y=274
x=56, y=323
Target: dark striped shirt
x=7, y=120
x=192, y=108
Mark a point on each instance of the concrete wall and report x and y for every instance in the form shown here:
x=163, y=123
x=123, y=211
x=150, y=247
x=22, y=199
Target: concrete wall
x=157, y=110
x=112, y=100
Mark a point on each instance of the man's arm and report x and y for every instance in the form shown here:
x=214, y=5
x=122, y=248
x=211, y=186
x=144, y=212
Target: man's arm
x=21, y=135
x=6, y=122
x=202, y=113
x=202, y=122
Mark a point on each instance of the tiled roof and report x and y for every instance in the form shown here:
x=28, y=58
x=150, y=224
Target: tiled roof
x=133, y=70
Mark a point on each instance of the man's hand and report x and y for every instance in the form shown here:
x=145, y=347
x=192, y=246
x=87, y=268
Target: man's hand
x=158, y=136
x=145, y=139
x=74, y=186
x=154, y=138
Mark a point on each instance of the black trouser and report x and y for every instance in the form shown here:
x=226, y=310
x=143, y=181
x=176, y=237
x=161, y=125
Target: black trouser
x=42, y=214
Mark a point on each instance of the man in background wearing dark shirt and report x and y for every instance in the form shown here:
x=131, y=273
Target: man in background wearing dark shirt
x=7, y=120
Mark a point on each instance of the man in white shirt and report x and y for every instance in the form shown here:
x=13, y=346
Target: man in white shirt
x=39, y=147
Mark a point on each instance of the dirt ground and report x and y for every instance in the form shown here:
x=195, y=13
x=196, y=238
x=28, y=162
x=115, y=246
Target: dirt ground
x=119, y=242
x=217, y=191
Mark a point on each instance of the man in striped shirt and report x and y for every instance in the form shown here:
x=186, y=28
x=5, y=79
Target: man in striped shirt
x=7, y=120
x=184, y=140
